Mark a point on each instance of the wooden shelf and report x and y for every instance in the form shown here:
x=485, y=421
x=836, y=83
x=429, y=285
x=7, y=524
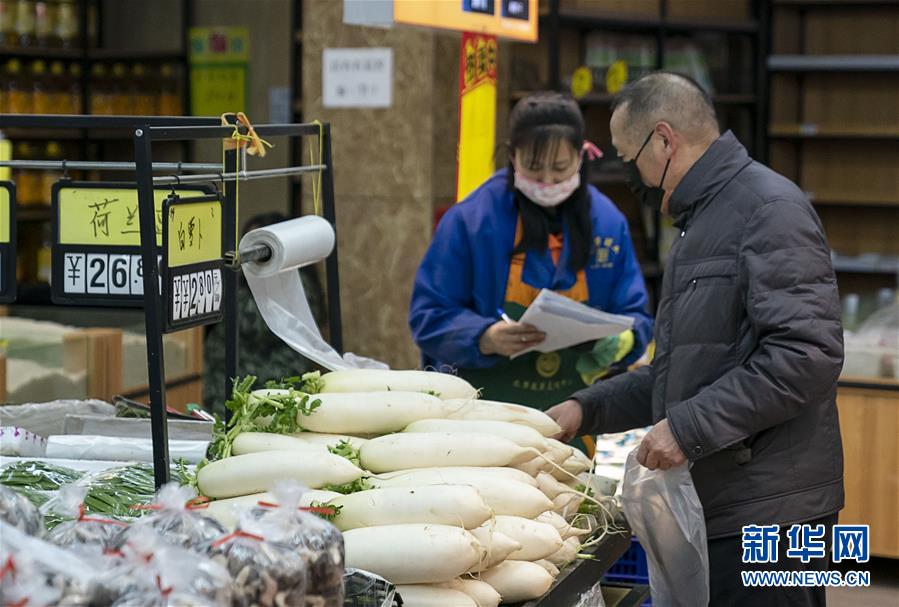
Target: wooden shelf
x=32, y=213
x=49, y=54
x=814, y=131
x=151, y=56
x=838, y=3
x=866, y=265
x=865, y=381
x=833, y=63
x=602, y=98
x=586, y=19
x=850, y=199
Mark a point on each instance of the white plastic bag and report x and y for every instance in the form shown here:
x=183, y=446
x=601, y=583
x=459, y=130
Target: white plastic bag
x=664, y=511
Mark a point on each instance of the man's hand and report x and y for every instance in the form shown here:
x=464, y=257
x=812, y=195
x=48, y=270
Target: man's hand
x=659, y=449
x=509, y=338
x=569, y=416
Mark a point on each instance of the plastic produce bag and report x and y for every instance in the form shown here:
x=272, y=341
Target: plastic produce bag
x=266, y=571
x=19, y=441
x=20, y=513
x=176, y=519
x=664, y=511
x=592, y=598
x=317, y=539
x=364, y=589
x=78, y=528
x=169, y=575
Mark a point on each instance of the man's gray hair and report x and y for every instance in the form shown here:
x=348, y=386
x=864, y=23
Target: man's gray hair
x=673, y=98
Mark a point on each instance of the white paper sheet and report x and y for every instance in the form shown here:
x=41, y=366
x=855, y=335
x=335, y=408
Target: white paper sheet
x=568, y=323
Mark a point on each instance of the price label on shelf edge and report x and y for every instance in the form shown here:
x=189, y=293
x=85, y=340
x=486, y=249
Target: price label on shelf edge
x=7, y=242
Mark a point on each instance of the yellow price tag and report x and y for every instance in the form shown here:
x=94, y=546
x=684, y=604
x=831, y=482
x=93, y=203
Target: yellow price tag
x=5, y=154
x=616, y=76
x=6, y=203
x=581, y=82
x=107, y=216
x=194, y=233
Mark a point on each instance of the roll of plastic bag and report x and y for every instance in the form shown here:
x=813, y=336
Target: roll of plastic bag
x=279, y=293
x=665, y=513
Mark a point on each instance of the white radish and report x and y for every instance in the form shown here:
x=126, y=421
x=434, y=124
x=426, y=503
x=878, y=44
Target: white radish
x=424, y=595
x=227, y=511
x=558, y=451
x=482, y=593
x=518, y=581
x=504, y=496
x=564, y=504
x=328, y=440
x=425, y=450
x=503, y=412
x=464, y=471
x=565, y=529
x=566, y=554
x=412, y=554
x=497, y=547
x=257, y=472
x=534, y=466
x=254, y=442
x=443, y=385
x=538, y=540
x=522, y=436
x=571, y=467
x=459, y=505
x=550, y=486
x=550, y=568
x=370, y=412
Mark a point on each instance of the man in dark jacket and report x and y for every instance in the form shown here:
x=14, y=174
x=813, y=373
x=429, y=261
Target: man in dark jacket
x=748, y=339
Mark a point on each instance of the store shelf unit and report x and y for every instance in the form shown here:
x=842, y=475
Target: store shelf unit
x=741, y=102
x=86, y=51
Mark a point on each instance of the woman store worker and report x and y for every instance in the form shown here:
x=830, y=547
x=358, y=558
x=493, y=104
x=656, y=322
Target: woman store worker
x=534, y=225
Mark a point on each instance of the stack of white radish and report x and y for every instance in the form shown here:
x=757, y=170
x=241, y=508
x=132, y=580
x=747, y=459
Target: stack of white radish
x=468, y=498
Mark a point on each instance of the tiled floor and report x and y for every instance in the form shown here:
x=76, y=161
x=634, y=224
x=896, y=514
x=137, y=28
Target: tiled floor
x=883, y=592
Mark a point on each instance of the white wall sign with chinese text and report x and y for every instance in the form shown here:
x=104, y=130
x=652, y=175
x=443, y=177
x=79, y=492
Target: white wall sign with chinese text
x=357, y=77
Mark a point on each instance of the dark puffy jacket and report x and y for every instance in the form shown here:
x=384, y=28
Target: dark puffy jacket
x=748, y=348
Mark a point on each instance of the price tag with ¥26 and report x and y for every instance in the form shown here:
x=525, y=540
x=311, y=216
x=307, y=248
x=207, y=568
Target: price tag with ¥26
x=7, y=242
x=193, y=263
x=96, y=255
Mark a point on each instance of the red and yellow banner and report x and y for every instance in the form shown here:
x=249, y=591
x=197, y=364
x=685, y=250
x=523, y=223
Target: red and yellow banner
x=477, y=112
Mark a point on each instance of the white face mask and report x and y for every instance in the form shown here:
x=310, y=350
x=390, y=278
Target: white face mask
x=547, y=194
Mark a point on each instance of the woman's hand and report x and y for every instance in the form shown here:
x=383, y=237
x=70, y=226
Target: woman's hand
x=509, y=338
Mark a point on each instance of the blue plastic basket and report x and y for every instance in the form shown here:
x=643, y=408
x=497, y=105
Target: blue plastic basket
x=631, y=568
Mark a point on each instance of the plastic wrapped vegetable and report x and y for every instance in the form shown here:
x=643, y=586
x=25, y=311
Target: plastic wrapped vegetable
x=172, y=576
x=37, y=475
x=317, y=539
x=80, y=528
x=176, y=518
x=20, y=513
x=364, y=589
x=266, y=571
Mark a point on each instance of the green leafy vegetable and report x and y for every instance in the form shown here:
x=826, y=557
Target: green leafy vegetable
x=360, y=484
x=433, y=393
x=322, y=507
x=312, y=383
x=345, y=449
x=37, y=475
x=257, y=413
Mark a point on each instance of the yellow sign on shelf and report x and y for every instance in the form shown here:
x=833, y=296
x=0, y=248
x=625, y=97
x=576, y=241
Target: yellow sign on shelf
x=515, y=19
x=218, y=70
x=5, y=214
x=106, y=216
x=194, y=233
x=5, y=154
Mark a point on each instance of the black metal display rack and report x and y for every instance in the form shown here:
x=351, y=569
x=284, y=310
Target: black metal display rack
x=145, y=131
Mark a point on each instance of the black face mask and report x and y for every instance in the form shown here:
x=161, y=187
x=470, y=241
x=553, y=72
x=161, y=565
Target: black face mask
x=647, y=195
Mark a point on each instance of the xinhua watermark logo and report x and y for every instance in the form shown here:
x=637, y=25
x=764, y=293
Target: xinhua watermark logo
x=806, y=543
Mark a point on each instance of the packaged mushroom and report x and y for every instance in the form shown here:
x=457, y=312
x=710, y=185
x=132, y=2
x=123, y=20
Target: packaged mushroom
x=177, y=517
x=20, y=513
x=266, y=571
x=172, y=576
x=78, y=528
x=316, y=539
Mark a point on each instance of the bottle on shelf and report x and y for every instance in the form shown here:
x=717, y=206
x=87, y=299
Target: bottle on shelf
x=18, y=88
x=101, y=91
x=121, y=95
x=8, y=36
x=67, y=24
x=40, y=91
x=25, y=23
x=74, y=88
x=45, y=24
x=58, y=86
x=52, y=151
x=28, y=182
x=170, y=92
x=142, y=101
